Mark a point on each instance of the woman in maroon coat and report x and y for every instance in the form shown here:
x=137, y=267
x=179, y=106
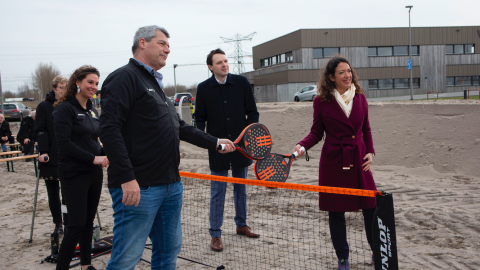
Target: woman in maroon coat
x=341, y=113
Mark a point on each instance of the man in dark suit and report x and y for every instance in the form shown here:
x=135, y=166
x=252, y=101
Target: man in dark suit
x=225, y=101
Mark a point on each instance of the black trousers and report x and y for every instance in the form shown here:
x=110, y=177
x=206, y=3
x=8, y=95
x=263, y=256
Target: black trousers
x=338, y=231
x=53, y=191
x=82, y=193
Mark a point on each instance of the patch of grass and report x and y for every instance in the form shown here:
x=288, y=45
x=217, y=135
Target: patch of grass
x=461, y=97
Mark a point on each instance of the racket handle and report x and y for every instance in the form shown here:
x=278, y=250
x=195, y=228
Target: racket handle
x=301, y=149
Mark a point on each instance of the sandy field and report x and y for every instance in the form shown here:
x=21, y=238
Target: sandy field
x=427, y=156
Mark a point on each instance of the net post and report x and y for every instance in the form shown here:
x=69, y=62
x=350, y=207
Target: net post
x=384, y=233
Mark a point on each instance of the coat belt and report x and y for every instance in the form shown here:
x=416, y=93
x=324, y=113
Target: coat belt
x=348, y=147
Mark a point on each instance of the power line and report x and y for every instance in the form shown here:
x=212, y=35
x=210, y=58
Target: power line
x=239, y=54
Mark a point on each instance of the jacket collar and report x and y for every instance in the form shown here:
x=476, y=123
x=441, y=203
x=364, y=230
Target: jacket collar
x=73, y=100
x=50, y=96
x=213, y=82
x=335, y=111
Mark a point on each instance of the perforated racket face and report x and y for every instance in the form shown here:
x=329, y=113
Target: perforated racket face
x=273, y=168
x=256, y=141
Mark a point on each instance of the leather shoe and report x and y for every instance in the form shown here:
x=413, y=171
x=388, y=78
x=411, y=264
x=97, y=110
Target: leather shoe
x=245, y=230
x=216, y=244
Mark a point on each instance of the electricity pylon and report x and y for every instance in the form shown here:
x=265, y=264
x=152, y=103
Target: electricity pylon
x=239, y=54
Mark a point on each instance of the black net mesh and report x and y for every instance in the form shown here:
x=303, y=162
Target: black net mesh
x=294, y=233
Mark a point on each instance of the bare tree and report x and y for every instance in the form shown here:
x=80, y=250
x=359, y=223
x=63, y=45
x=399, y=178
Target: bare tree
x=42, y=78
x=25, y=91
x=170, y=89
x=9, y=94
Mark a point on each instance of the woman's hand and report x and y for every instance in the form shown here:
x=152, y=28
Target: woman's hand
x=298, y=150
x=368, y=163
x=26, y=141
x=42, y=158
x=101, y=161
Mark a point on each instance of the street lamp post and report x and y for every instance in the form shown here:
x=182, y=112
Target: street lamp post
x=410, y=51
x=175, y=77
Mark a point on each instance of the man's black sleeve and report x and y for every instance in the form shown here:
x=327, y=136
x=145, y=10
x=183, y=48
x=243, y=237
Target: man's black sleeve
x=200, y=111
x=250, y=106
x=41, y=130
x=196, y=137
x=62, y=125
x=118, y=95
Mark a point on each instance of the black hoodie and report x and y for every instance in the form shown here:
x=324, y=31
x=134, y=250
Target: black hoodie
x=44, y=130
x=76, y=130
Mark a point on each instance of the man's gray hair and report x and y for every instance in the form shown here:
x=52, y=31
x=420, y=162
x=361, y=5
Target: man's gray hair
x=147, y=32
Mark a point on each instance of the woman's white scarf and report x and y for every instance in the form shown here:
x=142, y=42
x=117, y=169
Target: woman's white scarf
x=345, y=100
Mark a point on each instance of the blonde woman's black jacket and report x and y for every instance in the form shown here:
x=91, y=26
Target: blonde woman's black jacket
x=76, y=130
x=141, y=131
x=47, y=144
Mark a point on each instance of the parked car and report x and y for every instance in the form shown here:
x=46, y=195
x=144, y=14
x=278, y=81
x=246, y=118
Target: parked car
x=178, y=96
x=171, y=99
x=306, y=93
x=15, y=111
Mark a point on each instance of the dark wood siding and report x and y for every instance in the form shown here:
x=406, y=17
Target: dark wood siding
x=364, y=37
x=463, y=70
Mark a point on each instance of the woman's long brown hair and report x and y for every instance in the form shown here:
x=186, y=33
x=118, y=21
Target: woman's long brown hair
x=326, y=86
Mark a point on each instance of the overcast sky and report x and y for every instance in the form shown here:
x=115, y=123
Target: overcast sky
x=69, y=34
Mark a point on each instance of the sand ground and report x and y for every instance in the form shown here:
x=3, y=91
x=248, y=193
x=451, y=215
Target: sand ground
x=427, y=155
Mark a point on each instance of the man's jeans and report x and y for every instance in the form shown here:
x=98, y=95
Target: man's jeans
x=157, y=216
x=4, y=148
x=217, y=201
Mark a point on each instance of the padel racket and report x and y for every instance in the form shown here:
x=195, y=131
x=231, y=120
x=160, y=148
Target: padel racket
x=254, y=142
x=275, y=167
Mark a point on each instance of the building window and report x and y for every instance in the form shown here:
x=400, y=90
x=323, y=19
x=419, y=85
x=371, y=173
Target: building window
x=450, y=81
x=462, y=80
x=325, y=52
x=393, y=83
x=400, y=50
x=330, y=52
x=385, y=51
x=276, y=59
x=475, y=80
x=415, y=50
x=392, y=51
x=385, y=84
x=288, y=57
x=449, y=49
x=469, y=48
x=401, y=83
x=460, y=49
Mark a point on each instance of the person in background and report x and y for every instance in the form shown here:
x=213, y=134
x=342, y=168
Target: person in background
x=340, y=111
x=47, y=148
x=80, y=163
x=26, y=135
x=5, y=133
x=225, y=102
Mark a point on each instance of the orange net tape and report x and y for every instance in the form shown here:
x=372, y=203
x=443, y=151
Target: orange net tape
x=323, y=189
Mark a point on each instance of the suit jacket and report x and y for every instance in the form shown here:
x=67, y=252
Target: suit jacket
x=227, y=109
x=347, y=141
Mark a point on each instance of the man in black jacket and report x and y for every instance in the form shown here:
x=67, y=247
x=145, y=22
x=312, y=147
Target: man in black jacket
x=225, y=101
x=141, y=132
x=26, y=135
x=5, y=133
